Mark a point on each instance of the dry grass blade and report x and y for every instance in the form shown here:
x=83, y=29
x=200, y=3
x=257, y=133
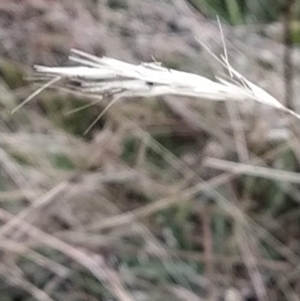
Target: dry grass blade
x=12, y=169
x=14, y=277
x=40, y=202
x=23, y=250
x=255, y=171
x=112, y=102
x=93, y=262
x=50, y=83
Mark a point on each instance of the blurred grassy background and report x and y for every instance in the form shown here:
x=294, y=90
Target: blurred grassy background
x=164, y=198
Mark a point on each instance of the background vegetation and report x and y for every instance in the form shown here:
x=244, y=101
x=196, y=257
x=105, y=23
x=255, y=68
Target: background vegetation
x=166, y=197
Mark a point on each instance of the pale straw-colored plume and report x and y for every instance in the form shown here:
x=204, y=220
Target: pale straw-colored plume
x=106, y=77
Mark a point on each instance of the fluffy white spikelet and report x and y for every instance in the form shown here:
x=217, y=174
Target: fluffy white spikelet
x=107, y=77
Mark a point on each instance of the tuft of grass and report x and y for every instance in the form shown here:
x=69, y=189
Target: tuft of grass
x=157, y=217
